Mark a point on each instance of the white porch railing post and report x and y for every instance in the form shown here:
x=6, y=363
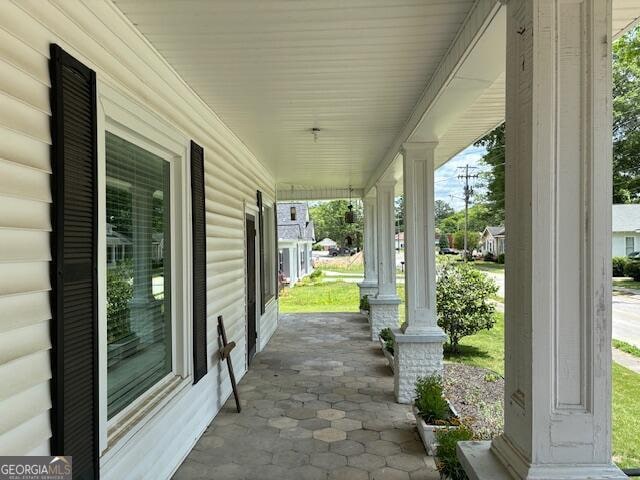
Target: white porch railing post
x=558, y=292
x=418, y=350
x=384, y=306
x=370, y=284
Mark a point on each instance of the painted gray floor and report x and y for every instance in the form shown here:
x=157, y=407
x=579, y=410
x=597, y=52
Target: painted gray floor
x=318, y=404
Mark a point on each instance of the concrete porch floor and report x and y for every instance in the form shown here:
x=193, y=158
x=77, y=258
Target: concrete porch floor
x=317, y=404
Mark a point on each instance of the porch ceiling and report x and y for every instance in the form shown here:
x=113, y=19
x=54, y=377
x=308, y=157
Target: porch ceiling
x=362, y=71
x=274, y=69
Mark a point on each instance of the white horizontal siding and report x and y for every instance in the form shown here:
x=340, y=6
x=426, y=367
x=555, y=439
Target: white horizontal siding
x=98, y=35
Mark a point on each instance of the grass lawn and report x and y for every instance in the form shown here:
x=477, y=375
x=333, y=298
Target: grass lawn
x=626, y=283
x=342, y=268
x=626, y=347
x=320, y=297
x=488, y=266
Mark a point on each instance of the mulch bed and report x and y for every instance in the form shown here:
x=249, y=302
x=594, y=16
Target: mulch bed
x=478, y=396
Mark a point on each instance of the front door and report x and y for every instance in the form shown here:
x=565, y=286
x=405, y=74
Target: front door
x=251, y=287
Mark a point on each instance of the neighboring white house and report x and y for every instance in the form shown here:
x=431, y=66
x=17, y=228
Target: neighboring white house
x=625, y=226
x=326, y=243
x=295, y=241
x=492, y=240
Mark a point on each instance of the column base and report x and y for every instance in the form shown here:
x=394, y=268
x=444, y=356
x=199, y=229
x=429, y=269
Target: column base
x=415, y=355
x=486, y=461
x=383, y=313
x=368, y=288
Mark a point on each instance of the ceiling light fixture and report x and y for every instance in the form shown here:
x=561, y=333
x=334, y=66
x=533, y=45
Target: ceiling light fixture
x=316, y=132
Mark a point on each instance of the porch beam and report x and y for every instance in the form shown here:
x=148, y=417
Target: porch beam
x=285, y=194
x=558, y=292
x=475, y=25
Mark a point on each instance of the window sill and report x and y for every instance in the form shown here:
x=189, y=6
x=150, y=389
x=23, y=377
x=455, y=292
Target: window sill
x=122, y=431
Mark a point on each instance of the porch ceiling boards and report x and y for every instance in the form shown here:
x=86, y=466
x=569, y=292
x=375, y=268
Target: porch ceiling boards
x=273, y=69
x=370, y=74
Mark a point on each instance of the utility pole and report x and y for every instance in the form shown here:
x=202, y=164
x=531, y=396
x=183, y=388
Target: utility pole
x=468, y=191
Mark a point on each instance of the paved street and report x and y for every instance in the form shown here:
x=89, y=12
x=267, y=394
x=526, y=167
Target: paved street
x=626, y=312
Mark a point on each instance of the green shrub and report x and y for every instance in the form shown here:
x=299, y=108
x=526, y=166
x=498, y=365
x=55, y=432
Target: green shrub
x=488, y=257
x=119, y=294
x=389, y=342
x=364, y=303
x=463, y=299
x=431, y=405
x=500, y=259
x=632, y=269
x=619, y=264
x=316, y=274
x=446, y=452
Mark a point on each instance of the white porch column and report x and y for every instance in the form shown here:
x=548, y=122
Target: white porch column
x=418, y=350
x=370, y=284
x=558, y=222
x=384, y=306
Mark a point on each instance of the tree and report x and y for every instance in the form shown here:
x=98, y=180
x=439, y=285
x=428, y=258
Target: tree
x=443, y=242
x=479, y=217
x=442, y=210
x=328, y=219
x=463, y=301
x=494, y=178
x=473, y=238
x=626, y=118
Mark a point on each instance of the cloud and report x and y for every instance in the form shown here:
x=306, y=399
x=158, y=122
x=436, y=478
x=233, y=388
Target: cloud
x=448, y=187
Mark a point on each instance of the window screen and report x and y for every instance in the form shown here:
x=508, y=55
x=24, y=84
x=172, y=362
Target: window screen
x=138, y=271
x=629, y=245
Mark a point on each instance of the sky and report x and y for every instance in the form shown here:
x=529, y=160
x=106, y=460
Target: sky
x=448, y=186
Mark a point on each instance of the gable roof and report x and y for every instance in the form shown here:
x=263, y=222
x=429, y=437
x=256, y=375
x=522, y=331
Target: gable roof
x=299, y=229
x=494, y=231
x=625, y=218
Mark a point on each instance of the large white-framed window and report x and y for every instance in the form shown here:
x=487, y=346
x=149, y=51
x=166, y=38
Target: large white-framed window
x=143, y=266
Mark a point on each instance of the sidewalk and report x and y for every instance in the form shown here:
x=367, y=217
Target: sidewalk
x=626, y=360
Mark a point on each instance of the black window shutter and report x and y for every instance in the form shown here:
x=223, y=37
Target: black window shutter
x=277, y=257
x=74, y=328
x=263, y=293
x=198, y=222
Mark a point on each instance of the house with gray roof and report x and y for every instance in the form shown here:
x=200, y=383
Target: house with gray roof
x=492, y=240
x=295, y=241
x=625, y=226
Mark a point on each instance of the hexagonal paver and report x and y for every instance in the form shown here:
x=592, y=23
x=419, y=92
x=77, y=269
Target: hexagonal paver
x=329, y=435
x=331, y=414
x=382, y=447
x=315, y=423
x=387, y=473
x=346, y=406
x=295, y=433
x=406, y=462
x=310, y=445
x=347, y=447
x=270, y=412
x=290, y=458
x=307, y=472
x=328, y=460
x=304, y=397
x=283, y=422
x=363, y=436
x=346, y=424
x=301, y=413
x=367, y=461
x=358, y=398
x=348, y=473
x=331, y=397
x=397, y=436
